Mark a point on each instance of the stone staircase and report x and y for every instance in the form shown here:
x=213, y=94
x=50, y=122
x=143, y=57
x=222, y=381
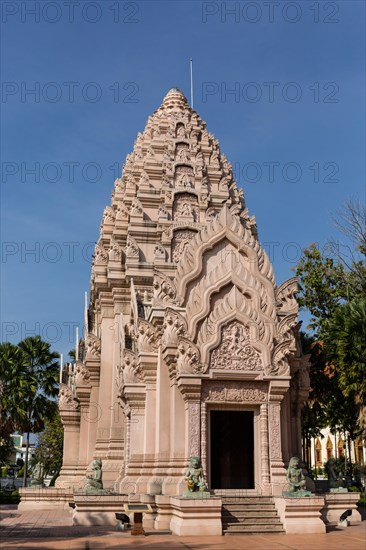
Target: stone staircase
x=250, y=516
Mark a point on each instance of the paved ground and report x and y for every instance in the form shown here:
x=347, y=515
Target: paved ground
x=52, y=530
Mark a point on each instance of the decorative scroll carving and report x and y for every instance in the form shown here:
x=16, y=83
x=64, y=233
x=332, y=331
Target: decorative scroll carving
x=235, y=350
x=188, y=357
x=164, y=290
x=236, y=392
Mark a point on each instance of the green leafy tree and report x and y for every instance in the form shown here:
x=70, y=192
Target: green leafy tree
x=346, y=348
x=13, y=385
x=50, y=445
x=332, y=289
x=42, y=386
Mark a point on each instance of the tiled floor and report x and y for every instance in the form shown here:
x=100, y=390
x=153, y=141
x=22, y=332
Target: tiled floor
x=52, y=530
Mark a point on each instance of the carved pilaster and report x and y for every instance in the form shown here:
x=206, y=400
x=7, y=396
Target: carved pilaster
x=264, y=442
x=191, y=391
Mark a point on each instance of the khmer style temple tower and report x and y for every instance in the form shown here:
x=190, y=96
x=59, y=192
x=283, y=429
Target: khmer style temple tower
x=192, y=349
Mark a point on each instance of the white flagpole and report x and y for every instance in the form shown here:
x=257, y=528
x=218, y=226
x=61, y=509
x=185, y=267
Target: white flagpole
x=77, y=344
x=61, y=366
x=86, y=323
x=191, y=68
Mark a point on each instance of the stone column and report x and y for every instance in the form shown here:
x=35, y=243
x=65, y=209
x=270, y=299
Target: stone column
x=264, y=445
x=278, y=474
x=204, y=437
x=70, y=416
x=191, y=391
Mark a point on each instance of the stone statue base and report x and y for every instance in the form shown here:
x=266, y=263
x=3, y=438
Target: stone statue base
x=196, y=494
x=297, y=494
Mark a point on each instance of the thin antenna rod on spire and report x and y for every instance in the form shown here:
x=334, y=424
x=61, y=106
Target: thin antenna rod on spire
x=191, y=67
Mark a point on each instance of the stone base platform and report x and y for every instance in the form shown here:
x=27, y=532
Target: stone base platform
x=97, y=509
x=301, y=515
x=195, y=517
x=338, y=504
x=48, y=498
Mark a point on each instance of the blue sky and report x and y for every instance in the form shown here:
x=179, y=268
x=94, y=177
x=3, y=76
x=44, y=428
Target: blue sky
x=293, y=128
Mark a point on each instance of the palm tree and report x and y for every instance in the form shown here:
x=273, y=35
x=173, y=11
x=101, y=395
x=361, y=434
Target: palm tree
x=42, y=386
x=12, y=388
x=346, y=345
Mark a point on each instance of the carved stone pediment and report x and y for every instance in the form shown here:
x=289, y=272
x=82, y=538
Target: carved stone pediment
x=235, y=350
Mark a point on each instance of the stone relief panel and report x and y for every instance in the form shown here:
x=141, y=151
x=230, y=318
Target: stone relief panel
x=180, y=240
x=182, y=152
x=234, y=392
x=184, y=177
x=194, y=429
x=235, y=350
x=185, y=208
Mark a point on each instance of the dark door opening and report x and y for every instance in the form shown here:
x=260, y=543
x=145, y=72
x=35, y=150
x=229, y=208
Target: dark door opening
x=232, y=449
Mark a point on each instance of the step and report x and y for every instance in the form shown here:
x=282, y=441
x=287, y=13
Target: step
x=250, y=514
x=252, y=521
x=249, y=506
x=252, y=529
x=247, y=500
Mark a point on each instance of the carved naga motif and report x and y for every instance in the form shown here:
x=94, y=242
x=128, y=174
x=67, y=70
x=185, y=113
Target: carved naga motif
x=100, y=255
x=147, y=338
x=93, y=347
x=67, y=399
x=286, y=296
x=131, y=371
x=164, y=289
x=188, y=357
x=132, y=249
x=174, y=326
x=82, y=375
x=115, y=251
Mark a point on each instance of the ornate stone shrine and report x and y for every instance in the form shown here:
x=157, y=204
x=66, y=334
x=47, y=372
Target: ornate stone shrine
x=191, y=349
